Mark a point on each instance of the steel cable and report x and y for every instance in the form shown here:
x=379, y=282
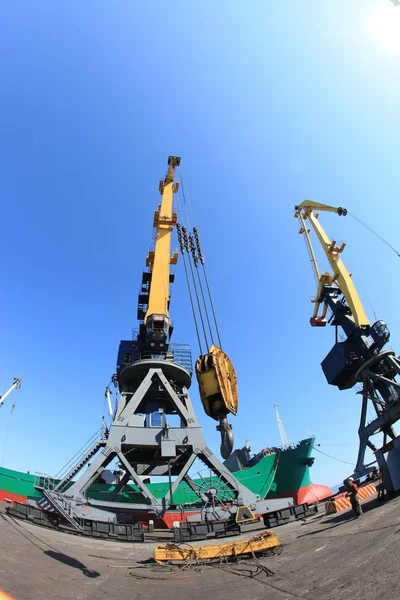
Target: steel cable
x=374, y=233
x=201, y=258
x=334, y=458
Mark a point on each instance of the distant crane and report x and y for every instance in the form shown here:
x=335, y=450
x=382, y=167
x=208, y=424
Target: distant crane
x=359, y=354
x=284, y=440
x=14, y=386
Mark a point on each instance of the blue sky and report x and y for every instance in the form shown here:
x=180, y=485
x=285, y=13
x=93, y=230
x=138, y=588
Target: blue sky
x=267, y=104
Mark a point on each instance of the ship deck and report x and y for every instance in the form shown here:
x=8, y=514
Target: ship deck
x=332, y=557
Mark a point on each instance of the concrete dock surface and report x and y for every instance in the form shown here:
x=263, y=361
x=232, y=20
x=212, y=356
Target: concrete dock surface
x=329, y=557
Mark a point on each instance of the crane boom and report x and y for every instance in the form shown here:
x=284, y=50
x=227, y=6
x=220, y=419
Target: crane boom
x=155, y=325
x=157, y=321
x=341, y=277
x=15, y=385
x=337, y=292
x=160, y=260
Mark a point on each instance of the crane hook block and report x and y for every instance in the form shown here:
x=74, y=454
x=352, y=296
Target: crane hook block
x=217, y=383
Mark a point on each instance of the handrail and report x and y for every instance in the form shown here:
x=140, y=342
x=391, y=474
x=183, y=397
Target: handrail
x=81, y=452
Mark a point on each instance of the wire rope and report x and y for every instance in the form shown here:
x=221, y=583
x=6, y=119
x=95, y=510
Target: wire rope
x=374, y=233
x=200, y=256
x=182, y=249
x=334, y=458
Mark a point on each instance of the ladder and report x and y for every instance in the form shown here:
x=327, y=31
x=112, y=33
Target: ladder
x=83, y=459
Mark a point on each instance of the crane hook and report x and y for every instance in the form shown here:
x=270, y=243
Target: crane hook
x=227, y=440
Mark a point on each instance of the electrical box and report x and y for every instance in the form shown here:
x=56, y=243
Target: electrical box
x=168, y=449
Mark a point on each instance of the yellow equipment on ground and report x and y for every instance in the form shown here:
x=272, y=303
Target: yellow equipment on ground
x=258, y=544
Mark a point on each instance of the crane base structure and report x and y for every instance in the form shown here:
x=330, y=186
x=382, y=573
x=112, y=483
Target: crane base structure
x=146, y=450
x=381, y=368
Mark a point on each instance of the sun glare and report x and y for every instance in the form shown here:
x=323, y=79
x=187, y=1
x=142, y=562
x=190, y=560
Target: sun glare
x=383, y=26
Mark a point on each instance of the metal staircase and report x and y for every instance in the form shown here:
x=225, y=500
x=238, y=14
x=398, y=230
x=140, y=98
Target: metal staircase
x=61, y=486
x=53, y=487
x=64, y=507
x=61, y=505
x=75, y=464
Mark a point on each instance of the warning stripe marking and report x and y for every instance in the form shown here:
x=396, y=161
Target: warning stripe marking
x=334, y=506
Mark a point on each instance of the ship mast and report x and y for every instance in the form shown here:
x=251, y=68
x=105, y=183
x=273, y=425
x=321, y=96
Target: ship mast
x=284, y=440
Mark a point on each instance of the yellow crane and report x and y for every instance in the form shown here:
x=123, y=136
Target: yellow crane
x=157, y=320
x=359, y=356
x=340, y=277
x=214, y=370
x=336, y=291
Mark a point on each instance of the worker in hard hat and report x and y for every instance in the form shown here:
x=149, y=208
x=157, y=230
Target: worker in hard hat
x=352, y=493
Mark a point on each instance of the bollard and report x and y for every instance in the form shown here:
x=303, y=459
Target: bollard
x=177, y=531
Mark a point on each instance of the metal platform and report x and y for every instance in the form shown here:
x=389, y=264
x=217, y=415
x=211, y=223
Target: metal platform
x=96, y=529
